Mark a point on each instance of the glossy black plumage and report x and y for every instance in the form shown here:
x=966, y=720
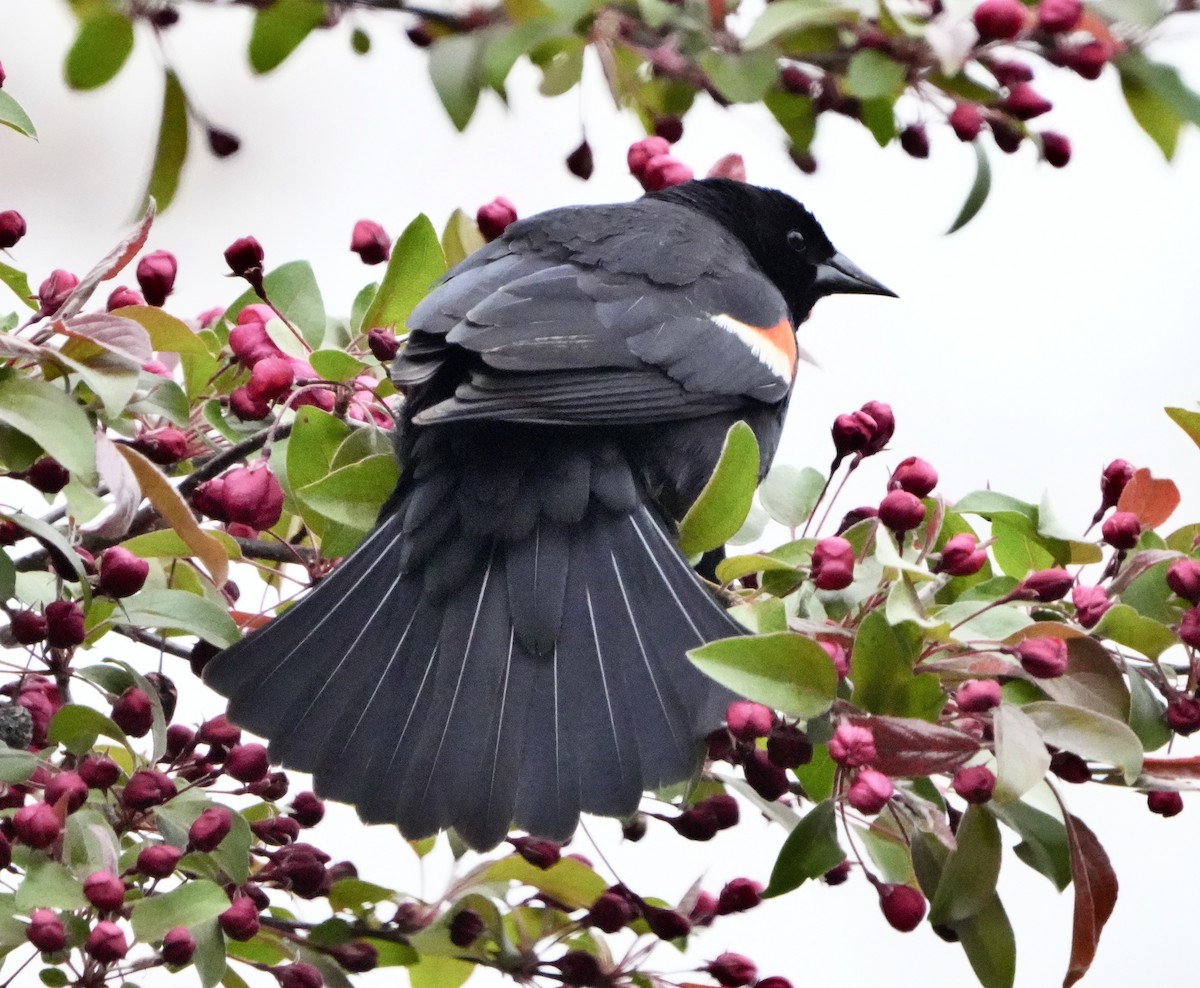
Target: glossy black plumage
x=508, y=646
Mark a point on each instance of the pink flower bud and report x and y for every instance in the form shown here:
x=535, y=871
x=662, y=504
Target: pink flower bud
x=611, y=912
x=788, y=747
x=578, y=967
x=1183, y=577
x=270, y=378
x=245, y=257
x=158, y=860
x=276, y=830
x=999, y=20
x=104, y=890
x=914, y=475
x=1007, y=136
x=730, y=166
x=253, y=496
x=914, y=140
x=732, y=970
x=307, y=809
x=209, y=499
x=146, y=789
x=1189, y=628
x=695, y=823
x=833, y=563
x=247, y=407
x=903, y=906
x=1045, y=585
x=1112, y=482
x=1056, y=149
x=1011, y=73
x=796, y=81
x=165, y=446
x=961, y=556
x=852, y=746
x=48, y=475
x=219, y=731
x=738, y=896
x=1122, y=529
x=370, y=242
x=46, y=931
x=704, y=909
x=539, y=853
x=837, y=875
x=210, y=828
x=383, y=345
x=465, y=928
x=901, y=511
x=1025, y=103
x=977, y=695
x=748, y=721
x=53, y=292
x=885, y=425
x=27, y=627
x=357, y=956
x=36, y=825
x=240, y=921
x=99, y=771
x=966, y=119
x=133, y=712
x=1057, y=16
x=122, y=574
x=774, y=981
x=666, y=924
x=221, y=143
x=640, y=153
x=852, y=433
x=247, y=762
x=580, y=162
x=494, y=217
x=156, y=275
x=1069, y=767
x=764, y=776
x=1183, y=714
x=64, y=624
x=1089, y=59
x=178, y=946
x=12, y=228
x=1043, y=657
x=974, y=783
x=663, y=171
x=669, y=127
x=870, y=791
x=69, y=785
x=1164, y=803
x=299, y=975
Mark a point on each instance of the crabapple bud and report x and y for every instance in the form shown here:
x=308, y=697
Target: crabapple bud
x=901, y=511
x=122, y=574
x=539, y=853
x=640, y=153
x=36, y=825
x=98, y=771
x=662, y=171
x=53, y=292
x=106, y=942
x=748, y=721
x=732, y=970
x=158, y=860
x=465, y=928
x=764, y=776
x=611, y=912
x=666, y=924
x=977, y=695
x=669, y=127
x=146, y=789
x=299, y=975
x=852, y=746
x=270, y=378
x=133, y=712
x=1056, y=149
x=974, y=783
x=240, y=921
x=357, y=956
x=156, y=275
x=46, y=931
x=1058, y=16
x=494, y=217
x=104, y=890
x=247, y=762
x=221, y=143
x=178, y=946
x=66, y=784
x=914, y=140
x=1045, y=585
x=382, y=344
x=999, y=20
x=27, y=627
x=1165, y=804
x=164, y=446
x=1043, y=657
x=1069, y=767
x=244, y=256
x=1183, y=577
x=870, y=791
x=1025, y=103
x=1122, y=529
x=833, y=563
x=1113, y=479
x=852, y=432
x=1183, y=714
x=247, y=407
x=903, y=906
x=370, y=242
x=966, y=120
x=914, y=475
x=580, y=162
x=788, y=746
x=1090, y=604
x=12, y=228
x=1088, y=60
x=739, y=895
x=1189, y=628
x=48, y=475
x=961, y=556
x=837, y=655
x=276, y=830
x=885, y=425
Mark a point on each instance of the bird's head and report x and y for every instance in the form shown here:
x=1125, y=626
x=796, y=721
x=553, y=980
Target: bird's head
x=783, y=237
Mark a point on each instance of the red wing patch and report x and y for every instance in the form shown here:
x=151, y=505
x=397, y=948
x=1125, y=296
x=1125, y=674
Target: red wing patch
x=774, y=347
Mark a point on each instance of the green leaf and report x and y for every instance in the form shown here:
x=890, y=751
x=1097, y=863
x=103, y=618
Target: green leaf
x=789, y=16
x=232, y=855
x=8, y=577
x=278, y=30
x=881, y=668
x=353, y=495
x=209, y=958
x=570, y=882
x=1022, y=760
x=461, y=238
x=416, y=263
x=817, y=776
x=735, y=567
x=872, y=75
x=13, y=115
x=1126, y=627
x=1088, y=734
x=103, y=44
x=76, y=728
x=790, y=493
x=723, y=504
x=783, y=671
x=293, y=290
x=171, y=150
x=432, y=971
x=1043, y=844
x=456, y=68
x=354, y=893
x=988, y=941
x=1146, y=714
x=969, y=877
x=561, y=62
x=16, y=766
x=1158, y=98
x=741, y=78
x=16, y=280
x=182, y=611
x=194, y=902
x=976, y=197
x=165, y=331
x=50, y=417
x=795, y=114
x=90, y=844
x=66, y=559
x=48, y=884
x=879, y=118
x=1188, y=421
x=506, y=45
x=810, y=850
x=1017, y=548
x=1152, y=113
x=336, y=365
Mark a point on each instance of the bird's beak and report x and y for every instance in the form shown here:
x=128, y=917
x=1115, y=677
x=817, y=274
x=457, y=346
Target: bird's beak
x=841, y=276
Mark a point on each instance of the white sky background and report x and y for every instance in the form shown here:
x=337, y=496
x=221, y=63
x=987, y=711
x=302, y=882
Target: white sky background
x=1025, y=352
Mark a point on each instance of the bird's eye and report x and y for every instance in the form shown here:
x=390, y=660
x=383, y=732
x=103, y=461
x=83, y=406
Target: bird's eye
x=795, y=240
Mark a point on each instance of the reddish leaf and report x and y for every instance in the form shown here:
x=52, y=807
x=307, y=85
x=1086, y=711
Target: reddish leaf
x=1153, y=501
x=1093, y=680
x=249, y=620
x=1095, y=895
x=1170, y=773
x=109, y=267
x=1137, y=565
x=915, y=747
x=1045, y=629
x=116, y=334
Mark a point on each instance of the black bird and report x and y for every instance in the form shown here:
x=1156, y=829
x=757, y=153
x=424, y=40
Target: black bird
x=508, y=645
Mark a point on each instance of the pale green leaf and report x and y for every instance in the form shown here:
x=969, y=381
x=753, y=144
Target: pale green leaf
x=969, y=876
x=49, y=885
x=991, y=947
x=416, y=263
x=352, y=495
x=51, y=418
x=976, y=197
x=101, y=47
x=179, y=610
x=13, y=115
x=455, y=66
x=789, y=493
x=810, y=850
x=745, y=77
x=783, y=671
x=1088, y=734
x=788, y=16
x=196, y=901
x=279, y=28
x=171, y=150
x=1022, y=760
x=1126, y=627
x=723, y=504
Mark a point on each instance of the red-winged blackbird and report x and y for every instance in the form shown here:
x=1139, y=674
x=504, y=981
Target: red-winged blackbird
x=508, y=646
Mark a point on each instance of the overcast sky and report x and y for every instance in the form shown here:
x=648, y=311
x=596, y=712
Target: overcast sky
x=1024, y=353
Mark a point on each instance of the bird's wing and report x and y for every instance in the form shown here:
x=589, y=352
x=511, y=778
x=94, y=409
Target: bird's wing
x=647, y=320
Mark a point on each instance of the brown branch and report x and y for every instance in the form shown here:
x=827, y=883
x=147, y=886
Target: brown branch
x=164, y=645
x=275, y=551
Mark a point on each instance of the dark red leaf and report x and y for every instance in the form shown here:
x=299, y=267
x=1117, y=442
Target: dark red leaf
x=907, y=746
x=1095, y=895
x=1153, y=501
x=1173, y=773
